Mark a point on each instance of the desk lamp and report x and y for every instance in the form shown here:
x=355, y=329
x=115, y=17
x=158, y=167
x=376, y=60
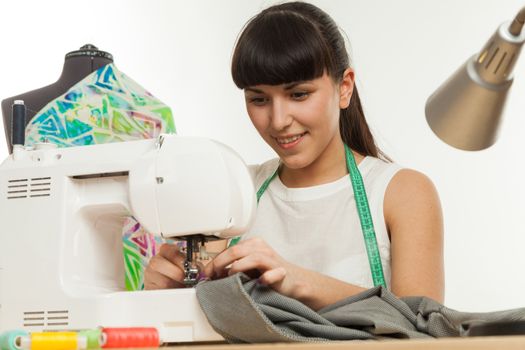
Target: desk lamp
x=465, y=111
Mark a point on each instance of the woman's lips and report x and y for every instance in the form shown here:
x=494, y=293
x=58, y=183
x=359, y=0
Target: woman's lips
x=289, y=141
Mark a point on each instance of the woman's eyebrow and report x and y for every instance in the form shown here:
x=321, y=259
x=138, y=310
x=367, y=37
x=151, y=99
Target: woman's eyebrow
x=292, y=85
x=257, y=91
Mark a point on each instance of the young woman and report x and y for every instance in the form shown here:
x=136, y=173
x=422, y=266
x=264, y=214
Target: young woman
x=312, y=238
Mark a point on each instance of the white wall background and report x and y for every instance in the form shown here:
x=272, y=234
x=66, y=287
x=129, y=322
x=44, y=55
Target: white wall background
x=180, y=51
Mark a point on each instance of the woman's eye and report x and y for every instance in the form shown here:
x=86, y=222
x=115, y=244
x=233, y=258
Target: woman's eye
x=258, y=101
x=299, y=95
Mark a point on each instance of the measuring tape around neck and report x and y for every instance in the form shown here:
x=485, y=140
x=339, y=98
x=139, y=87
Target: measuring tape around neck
x=363, y=209
x=367, y=224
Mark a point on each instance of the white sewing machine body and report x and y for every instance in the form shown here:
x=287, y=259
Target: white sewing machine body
x=61, y=215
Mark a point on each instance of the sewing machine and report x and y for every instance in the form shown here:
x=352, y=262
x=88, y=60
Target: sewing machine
x=61, y=215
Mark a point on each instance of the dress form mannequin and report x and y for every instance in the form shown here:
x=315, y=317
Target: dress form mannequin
x=78, y=64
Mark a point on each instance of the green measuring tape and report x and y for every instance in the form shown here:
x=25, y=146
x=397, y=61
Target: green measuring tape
x=363, y=209
x=367, y=225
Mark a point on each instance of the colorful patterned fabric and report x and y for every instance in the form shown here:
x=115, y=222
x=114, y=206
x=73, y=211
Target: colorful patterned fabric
x=139, y=247
x=107, y=106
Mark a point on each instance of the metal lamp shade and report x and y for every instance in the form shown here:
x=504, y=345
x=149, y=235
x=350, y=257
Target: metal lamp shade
x=465, y=111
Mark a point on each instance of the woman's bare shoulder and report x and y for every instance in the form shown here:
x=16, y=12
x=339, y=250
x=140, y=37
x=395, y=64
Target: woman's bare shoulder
x=410, y=193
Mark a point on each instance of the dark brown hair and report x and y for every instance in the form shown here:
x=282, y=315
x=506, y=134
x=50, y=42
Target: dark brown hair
x=297, y=41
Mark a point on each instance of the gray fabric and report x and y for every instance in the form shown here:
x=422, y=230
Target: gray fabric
x=243, y=311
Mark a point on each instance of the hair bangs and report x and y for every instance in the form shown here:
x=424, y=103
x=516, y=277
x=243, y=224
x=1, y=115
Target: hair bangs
x=278, y=49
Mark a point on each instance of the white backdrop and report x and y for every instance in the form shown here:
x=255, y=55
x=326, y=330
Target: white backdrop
x=402, y=50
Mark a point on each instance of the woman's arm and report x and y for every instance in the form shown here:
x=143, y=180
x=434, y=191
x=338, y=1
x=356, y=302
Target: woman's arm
x=413, y=216
x=414, y=220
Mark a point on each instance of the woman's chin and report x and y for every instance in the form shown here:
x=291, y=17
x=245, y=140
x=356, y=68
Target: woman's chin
x=294, y=162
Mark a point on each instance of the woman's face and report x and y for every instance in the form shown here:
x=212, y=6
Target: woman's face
x=300, y=120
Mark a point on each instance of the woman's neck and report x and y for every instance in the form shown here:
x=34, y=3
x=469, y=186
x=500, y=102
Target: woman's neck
x=328, y=167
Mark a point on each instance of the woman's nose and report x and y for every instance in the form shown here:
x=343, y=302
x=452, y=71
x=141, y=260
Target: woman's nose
x=280, y=115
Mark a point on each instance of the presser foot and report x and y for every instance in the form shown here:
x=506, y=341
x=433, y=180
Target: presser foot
x=195, y=253
x=191, y=274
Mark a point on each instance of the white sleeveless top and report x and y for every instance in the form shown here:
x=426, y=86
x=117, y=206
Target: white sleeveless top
x=318, y=227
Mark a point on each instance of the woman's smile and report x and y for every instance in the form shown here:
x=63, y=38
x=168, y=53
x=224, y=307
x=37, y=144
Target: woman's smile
x=289, y=141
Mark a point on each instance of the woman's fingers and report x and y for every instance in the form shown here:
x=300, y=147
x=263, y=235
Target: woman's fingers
x=273, y=276
x=172, y=253
x=252, y=256
x=220, y=265
x=252, y=246
x=256, y=261
x=156, y=280
x=165, y=267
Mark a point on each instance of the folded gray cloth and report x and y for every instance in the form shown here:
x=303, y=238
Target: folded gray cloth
x=244, y=311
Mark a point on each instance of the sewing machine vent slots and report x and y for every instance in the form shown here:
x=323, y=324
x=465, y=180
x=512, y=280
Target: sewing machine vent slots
x=46, y=318
x=29, y=188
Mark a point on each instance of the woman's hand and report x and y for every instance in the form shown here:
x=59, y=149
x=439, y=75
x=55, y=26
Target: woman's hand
x=166, y=269
x=254, y=255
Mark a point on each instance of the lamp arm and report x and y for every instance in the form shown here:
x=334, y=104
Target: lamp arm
x=517, y=23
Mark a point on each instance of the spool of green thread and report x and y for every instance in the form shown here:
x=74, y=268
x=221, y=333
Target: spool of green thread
x=8, y=339
x=92, y=336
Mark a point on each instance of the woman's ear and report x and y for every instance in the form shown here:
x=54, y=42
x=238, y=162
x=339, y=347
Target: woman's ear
x=346, y=88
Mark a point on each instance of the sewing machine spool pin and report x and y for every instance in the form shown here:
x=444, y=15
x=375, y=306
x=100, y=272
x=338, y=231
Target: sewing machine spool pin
x=18, y=121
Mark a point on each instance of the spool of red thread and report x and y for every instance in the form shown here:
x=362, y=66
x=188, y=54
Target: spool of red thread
x=132, y=337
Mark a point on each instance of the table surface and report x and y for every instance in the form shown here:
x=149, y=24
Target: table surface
x=482, y=343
